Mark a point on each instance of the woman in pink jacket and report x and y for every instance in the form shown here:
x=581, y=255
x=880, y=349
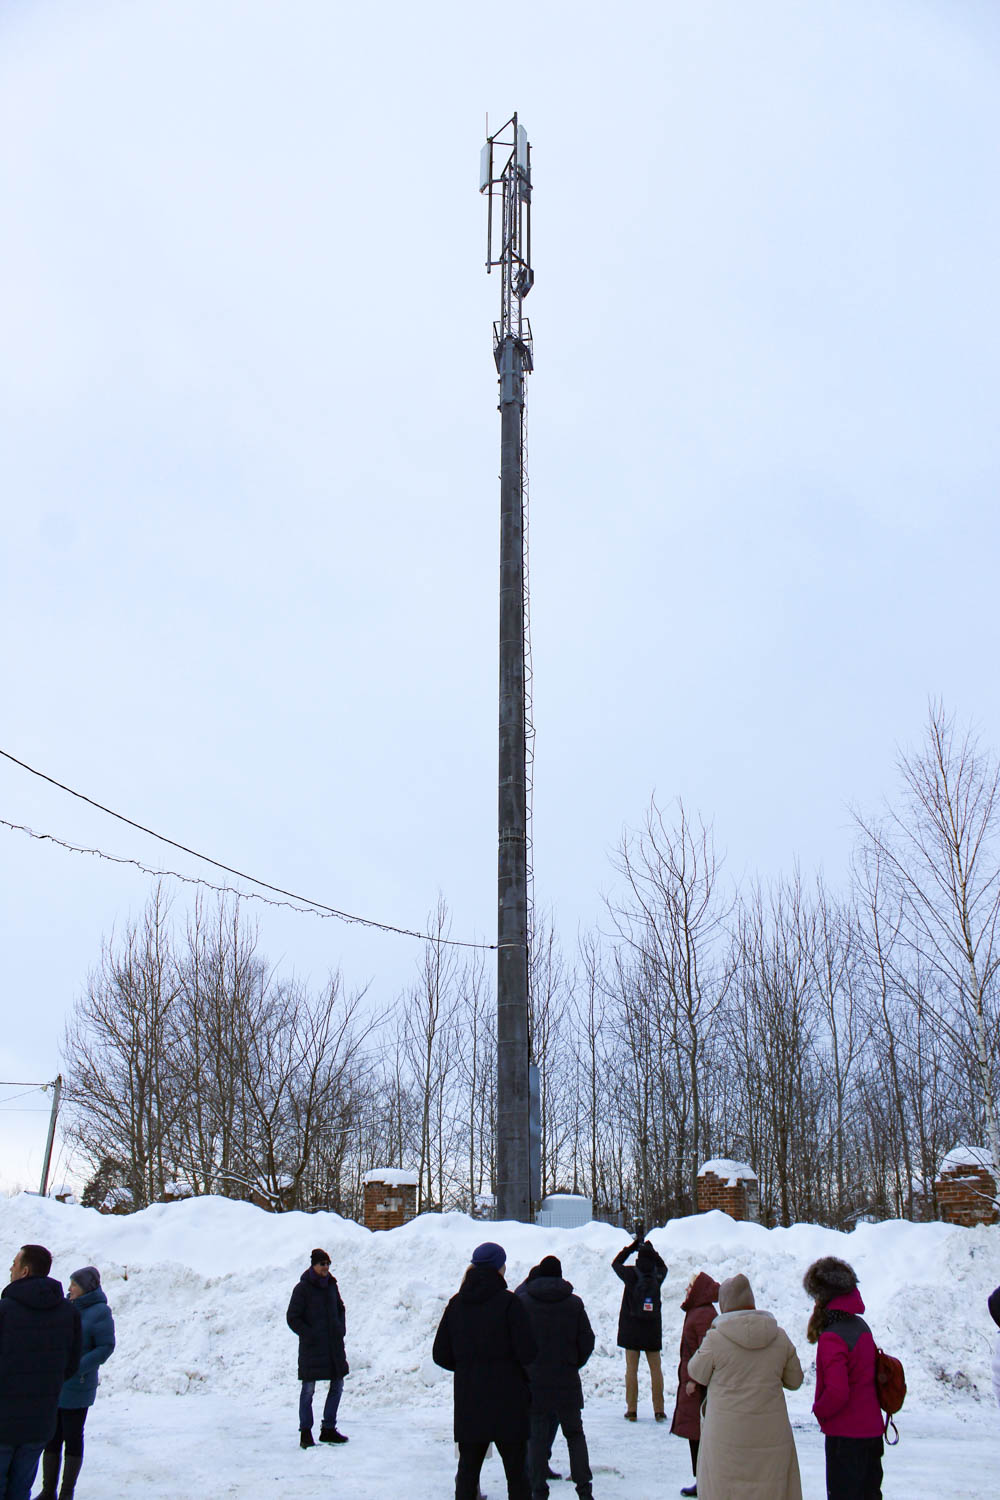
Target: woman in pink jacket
x=846, y=1404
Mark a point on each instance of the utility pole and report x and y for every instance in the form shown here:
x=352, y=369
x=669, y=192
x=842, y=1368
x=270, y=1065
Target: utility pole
x=505, y=176
x=56, y=1087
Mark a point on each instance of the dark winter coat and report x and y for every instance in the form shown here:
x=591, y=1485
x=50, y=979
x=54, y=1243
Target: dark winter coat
x=846, y=1403
x=635, y=1330
x=699, y=1315
x=39, y=1350
x=485, y=1337
x=316, y=1313
x=565, y=1342
x=98, y=1329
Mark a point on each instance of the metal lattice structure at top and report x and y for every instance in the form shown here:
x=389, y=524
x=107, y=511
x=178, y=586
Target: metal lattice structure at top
x=505, y=177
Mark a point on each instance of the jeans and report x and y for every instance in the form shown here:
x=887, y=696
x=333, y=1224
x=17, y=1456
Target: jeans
x=543, y=1429
x=470, y=1462
x=18, y=1467
x=330, y=1406
x=853, y=1468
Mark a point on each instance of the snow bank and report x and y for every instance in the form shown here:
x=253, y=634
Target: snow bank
x=199, y=1290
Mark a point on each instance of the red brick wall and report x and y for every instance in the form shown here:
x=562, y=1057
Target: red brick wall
x=715, y=1192
x=965, y=1196
x=387, y=1207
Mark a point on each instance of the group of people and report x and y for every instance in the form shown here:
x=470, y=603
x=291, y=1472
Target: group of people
x=516, y=1358
x=51, y=1348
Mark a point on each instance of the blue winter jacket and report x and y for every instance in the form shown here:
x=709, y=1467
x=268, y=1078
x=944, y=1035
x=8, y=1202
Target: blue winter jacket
x=98, y=1344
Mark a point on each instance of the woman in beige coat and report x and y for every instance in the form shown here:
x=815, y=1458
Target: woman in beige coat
x=747, y=1450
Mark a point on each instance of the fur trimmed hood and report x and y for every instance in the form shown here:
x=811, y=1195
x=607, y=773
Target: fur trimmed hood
x=829, y=1277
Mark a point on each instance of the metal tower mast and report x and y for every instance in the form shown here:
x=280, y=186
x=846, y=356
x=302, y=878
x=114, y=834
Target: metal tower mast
x=505, y=176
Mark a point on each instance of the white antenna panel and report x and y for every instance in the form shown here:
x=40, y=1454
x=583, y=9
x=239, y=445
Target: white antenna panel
x=484, y=168
x=522, y=148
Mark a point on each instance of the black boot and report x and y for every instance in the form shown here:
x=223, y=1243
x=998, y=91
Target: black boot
x=72, y=1464
x=306, y=1437
x=50, y=1474
x=331, y=1435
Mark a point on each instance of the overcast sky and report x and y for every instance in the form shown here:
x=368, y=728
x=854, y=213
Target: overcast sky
x=250, y=447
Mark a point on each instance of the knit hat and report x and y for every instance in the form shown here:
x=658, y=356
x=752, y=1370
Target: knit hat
x=736, y=1295
x=318, y=1258
x=88, y=1278
x=490, y=1254
x=549, y=1265
x=827, y=1278
x=993, y=1303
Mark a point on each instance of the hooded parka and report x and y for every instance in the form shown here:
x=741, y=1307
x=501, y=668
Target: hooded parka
x=98, y=1330
x=747, y=1449
x=699, y=1315
x=565, y=1342
x=484, y=1336
x=39, y=1350
x=316, y=1313
x=634, y=1331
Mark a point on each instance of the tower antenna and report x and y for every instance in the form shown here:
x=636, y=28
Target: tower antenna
x=505, y=177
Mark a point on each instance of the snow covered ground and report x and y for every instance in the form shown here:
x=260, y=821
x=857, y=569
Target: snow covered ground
x=200, y=1397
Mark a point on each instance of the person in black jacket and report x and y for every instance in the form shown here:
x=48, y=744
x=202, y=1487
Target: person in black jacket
x=485, y=1337
x=316, y=1314
x=640, y=1328
x=565, y=1342
x=39, y=1349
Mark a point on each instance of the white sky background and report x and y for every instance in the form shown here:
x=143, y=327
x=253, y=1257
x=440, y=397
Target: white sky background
x=250, y=447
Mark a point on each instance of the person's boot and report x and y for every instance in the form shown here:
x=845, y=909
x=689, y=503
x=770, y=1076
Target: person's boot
x=50, y=1474
x=692, y=1489
x=72, y=1464
x=306, y=1437
x=331, y=1435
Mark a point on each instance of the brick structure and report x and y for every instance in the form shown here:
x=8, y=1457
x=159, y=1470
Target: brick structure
x=730, y=1186
x=966, y=1188
x=390, y=1198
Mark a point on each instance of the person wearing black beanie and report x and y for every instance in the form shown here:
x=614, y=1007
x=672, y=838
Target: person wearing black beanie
x=316, y=1315
x=565, y=1342
x=640, y=1324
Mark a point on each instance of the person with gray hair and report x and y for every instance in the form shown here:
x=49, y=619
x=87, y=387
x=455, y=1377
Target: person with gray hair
x=747, y=1363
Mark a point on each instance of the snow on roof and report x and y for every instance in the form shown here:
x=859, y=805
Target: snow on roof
x=392, y=1177
x=733, y=1171
x=566, y=1198
x=966, y=1156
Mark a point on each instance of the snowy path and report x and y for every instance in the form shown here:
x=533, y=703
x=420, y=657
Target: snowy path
x=181, y=1447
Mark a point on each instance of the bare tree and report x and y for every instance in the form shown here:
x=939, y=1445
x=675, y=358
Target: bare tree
x=942, y=851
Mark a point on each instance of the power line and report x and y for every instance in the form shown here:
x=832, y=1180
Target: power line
x=305, y=904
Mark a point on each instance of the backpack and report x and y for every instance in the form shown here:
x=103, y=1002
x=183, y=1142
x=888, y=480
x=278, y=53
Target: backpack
x=645, y=1295
x=890, y=1384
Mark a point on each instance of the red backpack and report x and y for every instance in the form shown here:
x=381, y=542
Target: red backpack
x=890, y=1383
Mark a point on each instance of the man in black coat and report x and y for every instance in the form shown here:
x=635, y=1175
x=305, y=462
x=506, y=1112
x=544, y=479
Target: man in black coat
x=39, y=1349
x=485, y=1337
x=316, y=1314
x=565, y=1342
x=640, y=1327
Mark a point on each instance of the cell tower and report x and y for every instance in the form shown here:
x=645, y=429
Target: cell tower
x=505, y=176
